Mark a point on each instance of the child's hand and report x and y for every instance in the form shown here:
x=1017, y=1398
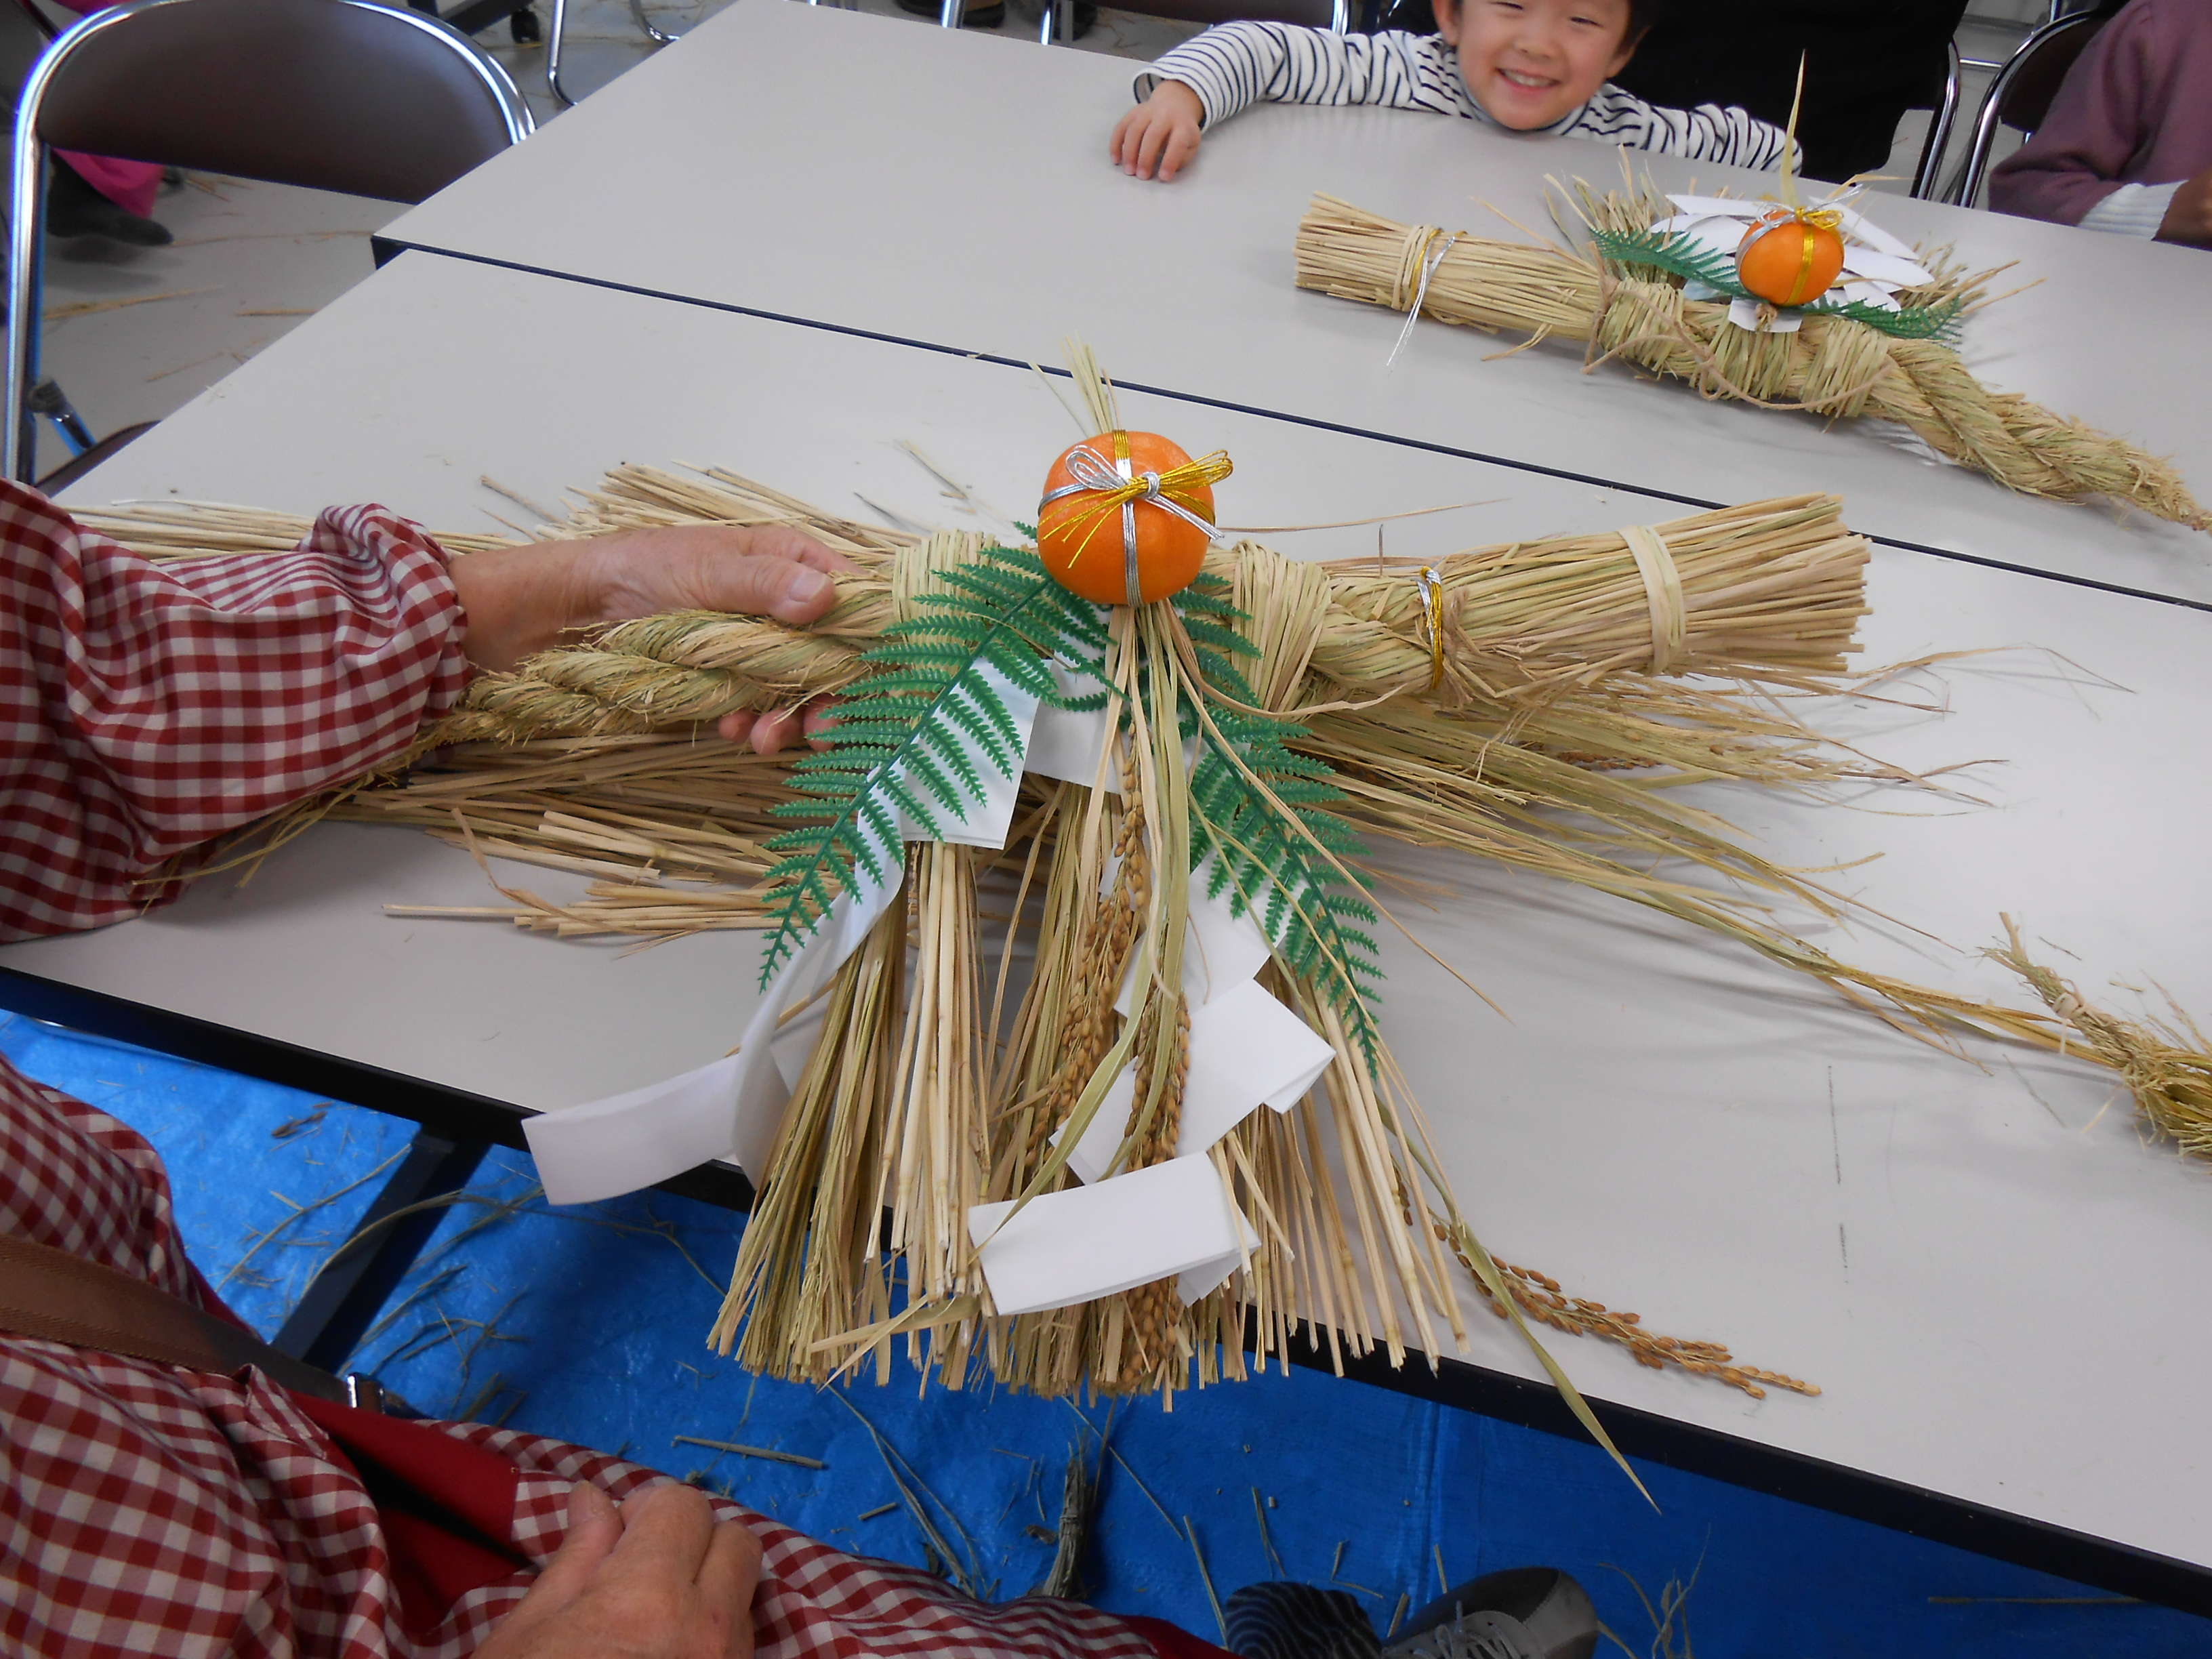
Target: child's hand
x=1161, y=134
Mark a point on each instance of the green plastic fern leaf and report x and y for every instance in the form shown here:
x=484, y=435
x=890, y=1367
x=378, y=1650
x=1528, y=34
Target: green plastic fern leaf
x=911, y=741
x=1651, y=251
x=1266, y=860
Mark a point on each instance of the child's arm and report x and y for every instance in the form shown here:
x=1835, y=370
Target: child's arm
x=1227, y=69
x=1711, y=132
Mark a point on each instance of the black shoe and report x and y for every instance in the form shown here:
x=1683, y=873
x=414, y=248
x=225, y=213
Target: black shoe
x=971, y=16
x=75, y=208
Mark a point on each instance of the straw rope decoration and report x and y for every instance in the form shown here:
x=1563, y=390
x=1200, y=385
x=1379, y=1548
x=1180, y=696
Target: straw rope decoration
x=1533, y=704
x=1833, y=365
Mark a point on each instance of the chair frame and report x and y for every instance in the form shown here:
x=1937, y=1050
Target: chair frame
x=557, y=33
x=1976, y=167
x=1926, y=175
x=27, y=205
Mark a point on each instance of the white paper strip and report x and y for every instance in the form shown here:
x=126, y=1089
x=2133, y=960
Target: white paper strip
x=731, y=1107
x=1074, y=1247
x=728, y=1108
x=1246, y=1049
x=1192, y=1283
x=1067, y=743
x=1221, y=950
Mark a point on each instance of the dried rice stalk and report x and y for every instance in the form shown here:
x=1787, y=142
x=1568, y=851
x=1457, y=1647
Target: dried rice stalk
x=1831, y=366
x=1509, y=708
x=2168, y=1071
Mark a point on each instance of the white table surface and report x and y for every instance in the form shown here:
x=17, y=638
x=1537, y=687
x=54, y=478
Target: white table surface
x=1991, y=1282
x=954, y=189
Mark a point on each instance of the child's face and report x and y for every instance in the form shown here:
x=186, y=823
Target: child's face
x=1530, y=63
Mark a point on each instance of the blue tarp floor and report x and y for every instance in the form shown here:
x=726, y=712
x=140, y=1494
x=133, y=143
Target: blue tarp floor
x=589, y=1325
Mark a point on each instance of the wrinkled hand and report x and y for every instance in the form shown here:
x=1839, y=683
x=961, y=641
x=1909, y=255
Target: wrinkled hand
x=521, y=599
x=656, y=1579
x=2189, y=215
x=1161, y=134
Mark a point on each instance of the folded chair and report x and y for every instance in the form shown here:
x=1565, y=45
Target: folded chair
x=343, y=95
x=2021, y=94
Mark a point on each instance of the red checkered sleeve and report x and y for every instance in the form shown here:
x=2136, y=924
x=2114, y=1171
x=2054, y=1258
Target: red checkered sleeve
x=148, y=708
x=149, y=1510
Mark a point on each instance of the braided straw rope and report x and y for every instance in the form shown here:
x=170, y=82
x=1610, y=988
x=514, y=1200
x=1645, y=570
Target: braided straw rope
x=1772, y=589
x=1831, y=366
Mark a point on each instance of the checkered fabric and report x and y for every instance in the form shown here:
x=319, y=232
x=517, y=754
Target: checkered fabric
x=151, y=1510
x=147, y=708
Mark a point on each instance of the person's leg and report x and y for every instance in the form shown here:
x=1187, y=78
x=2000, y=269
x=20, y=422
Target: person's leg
x=97, y=196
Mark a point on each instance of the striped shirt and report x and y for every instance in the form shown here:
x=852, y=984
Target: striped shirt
x=1239, y=64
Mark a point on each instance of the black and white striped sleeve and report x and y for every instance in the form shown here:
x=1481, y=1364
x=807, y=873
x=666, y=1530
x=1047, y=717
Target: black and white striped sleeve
x=1239, y=64
x=1711, y=132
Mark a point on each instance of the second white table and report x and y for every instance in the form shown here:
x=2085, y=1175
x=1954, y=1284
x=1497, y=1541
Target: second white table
x=951, y=189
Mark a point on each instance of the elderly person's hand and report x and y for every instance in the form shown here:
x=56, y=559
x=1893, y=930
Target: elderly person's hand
x=522, y=599
x=658, y=1578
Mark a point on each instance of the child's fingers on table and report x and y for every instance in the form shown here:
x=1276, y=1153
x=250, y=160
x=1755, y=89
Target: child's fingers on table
x=1157, y=136
x=1182, y=145
x=1121, y=141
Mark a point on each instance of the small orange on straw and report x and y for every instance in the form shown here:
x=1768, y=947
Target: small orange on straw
x=1083, y=536
x=1791, y=256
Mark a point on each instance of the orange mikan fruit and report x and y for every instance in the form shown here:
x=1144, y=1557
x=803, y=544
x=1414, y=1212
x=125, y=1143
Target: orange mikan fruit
x=1084, y=547
x=1788, y=261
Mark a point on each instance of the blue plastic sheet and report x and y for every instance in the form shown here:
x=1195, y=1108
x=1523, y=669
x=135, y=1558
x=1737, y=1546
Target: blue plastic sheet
x=590, y=1325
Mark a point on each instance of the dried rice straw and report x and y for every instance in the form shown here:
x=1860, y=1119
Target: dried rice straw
x=1831, y=366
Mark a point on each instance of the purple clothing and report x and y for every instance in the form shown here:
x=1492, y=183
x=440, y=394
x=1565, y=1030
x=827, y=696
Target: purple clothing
x=2136, y=109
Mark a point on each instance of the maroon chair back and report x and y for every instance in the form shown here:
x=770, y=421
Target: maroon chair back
x=333, y=94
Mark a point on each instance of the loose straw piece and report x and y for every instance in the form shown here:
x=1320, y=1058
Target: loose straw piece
x=1662, y=584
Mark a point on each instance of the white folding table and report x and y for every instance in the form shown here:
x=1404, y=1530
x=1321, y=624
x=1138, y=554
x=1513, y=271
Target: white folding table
x=1988, y=1278
x=953, y=190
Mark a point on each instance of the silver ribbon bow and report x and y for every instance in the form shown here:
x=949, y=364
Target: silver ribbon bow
x=1093, y=476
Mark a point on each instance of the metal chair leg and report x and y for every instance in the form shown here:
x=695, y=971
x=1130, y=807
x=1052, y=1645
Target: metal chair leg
x=555, y=39
x=658, y=36
x=48, y=400
x=19, y=439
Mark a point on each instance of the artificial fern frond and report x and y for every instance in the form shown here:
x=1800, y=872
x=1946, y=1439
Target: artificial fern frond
x=1267, y=855
x=911, y=740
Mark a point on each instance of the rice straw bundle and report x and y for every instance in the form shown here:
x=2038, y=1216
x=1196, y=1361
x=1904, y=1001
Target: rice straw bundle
x=1535, y=704
x=1831, y=366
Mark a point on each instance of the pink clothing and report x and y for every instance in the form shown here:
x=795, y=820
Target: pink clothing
x=130, y=185
x=2136, y=109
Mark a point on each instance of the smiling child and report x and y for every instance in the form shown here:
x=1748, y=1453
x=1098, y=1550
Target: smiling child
x=1526, y=65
